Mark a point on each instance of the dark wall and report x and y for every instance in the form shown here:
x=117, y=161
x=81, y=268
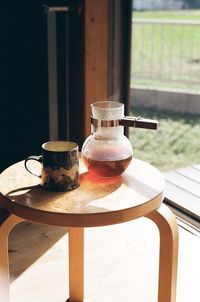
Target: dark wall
x=24, y=114
x=24, y=80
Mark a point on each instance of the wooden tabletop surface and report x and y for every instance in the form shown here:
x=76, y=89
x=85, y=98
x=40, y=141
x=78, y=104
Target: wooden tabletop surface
x=97, y=201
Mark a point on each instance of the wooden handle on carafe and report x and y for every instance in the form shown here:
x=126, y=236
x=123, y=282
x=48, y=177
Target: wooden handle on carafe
x=139, y=122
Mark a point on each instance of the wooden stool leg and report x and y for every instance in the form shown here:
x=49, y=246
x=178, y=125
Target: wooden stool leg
x=168, y=228
x=7, y=222
x=76, y=264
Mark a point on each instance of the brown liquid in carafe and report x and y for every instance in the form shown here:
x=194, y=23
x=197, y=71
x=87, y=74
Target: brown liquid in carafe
x=107, y=168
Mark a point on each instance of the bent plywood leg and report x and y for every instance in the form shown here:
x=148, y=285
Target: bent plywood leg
x=76, y=264
x=168, y=228
x=7, y=222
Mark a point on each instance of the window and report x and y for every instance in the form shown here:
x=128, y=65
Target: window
x=165, y=85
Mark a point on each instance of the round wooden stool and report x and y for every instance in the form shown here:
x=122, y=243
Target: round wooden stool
x=96, y=202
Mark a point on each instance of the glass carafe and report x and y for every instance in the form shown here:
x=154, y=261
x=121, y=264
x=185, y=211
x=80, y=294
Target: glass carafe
x=107, y=152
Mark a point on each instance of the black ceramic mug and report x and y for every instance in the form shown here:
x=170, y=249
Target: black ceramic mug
x=60, y=165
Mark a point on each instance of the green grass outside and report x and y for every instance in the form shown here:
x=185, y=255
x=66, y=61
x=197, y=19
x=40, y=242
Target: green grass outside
x=165, y=51
x=175, y=144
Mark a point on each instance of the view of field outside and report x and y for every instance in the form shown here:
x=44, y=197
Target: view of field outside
x=166, y=49
x=175, y=144
x=167, y=56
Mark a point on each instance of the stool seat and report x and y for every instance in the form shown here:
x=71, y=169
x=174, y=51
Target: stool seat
x=138, y=192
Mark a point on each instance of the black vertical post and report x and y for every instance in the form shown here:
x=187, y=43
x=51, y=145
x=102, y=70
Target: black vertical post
x=65, y=69
x=120, y=51
x=62, y=74
x=52, y=74
x=126, y=52
x=58, y=32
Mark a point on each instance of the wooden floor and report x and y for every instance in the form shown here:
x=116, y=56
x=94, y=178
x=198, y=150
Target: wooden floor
x=182, y=189
x=121, y=263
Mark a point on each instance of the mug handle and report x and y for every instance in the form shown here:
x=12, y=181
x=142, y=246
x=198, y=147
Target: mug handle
x=33, y=157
